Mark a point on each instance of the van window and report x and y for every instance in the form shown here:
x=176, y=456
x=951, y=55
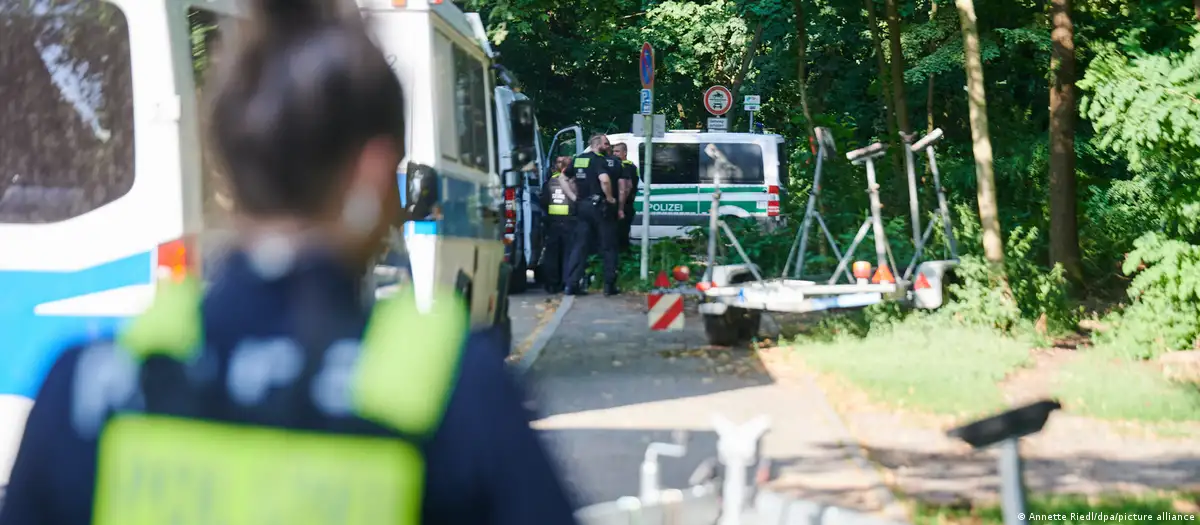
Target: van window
x=673, y=163
x=470, y=110
x=747, y=160
x=215, y=187
x=66, y=130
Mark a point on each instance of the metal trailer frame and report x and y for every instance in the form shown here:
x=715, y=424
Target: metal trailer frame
x=790, y=292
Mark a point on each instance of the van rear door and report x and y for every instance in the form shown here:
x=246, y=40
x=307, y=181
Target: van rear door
x=90, y=186
x=744, y=192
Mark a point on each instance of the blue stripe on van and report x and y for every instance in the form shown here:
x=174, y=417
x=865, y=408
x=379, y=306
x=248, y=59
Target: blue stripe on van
x=29, y=343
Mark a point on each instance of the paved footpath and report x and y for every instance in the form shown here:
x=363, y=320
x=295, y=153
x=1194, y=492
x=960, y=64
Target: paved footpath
x=605, y=386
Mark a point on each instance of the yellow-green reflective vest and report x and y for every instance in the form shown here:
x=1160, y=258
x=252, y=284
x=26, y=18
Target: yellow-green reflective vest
x=560, y=204
x=155, y=469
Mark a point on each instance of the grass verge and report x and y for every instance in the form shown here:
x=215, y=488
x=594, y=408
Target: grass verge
x=1098, y=386
x=941, y=369
x=1071, y=510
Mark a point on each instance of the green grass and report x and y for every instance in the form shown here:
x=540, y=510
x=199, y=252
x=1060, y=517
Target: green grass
x=1068, y=510
x=921, y=365
x=1098, y=386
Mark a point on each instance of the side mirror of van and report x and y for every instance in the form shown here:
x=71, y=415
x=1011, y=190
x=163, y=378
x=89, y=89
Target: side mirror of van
x=524, y=127
x=423, y=189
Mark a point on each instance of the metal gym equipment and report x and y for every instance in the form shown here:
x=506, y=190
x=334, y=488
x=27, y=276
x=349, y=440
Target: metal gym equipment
x=943, y=216
x=720, y=494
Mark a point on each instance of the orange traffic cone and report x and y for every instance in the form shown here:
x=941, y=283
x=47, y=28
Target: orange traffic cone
x=883, y=275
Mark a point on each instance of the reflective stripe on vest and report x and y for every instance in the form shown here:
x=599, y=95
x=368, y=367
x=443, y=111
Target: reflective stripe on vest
x=560, y=209
x=156, y=469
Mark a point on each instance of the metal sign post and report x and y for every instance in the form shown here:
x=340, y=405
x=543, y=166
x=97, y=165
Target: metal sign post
x=646, y=70
x=752, y=103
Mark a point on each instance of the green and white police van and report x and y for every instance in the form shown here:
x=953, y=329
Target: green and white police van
x=683, y=176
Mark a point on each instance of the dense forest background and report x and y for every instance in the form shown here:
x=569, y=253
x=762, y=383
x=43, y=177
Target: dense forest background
x=1092, y=125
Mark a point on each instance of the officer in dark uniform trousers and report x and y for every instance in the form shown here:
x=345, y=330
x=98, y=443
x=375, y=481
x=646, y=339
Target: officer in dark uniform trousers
x=594, y=172
x=558, y=198
x=274, y=395
x=630, y=179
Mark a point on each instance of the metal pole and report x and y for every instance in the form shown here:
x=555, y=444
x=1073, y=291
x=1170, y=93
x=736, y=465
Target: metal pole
x=647, y=165
x=942, y=206
x=914, y=206
x=751, y=130
x=876, y=222
x=812, y=202
x=713, y=232
x=1012, y=486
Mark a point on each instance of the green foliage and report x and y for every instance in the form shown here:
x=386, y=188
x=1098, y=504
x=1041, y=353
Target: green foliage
x=1085, y=387
x=981, y=298
x=1146, y=109
x=924, y=364
x=1165, y=313
x=1049, y=510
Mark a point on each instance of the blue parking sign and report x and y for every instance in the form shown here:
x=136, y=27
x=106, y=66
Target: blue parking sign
x=647, y=102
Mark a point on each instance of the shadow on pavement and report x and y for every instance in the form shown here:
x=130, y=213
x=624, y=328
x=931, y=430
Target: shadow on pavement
x=604, y=356
x=602, y=465
x=950, y=478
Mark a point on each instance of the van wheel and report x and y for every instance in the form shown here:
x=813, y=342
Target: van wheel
x=518, y=281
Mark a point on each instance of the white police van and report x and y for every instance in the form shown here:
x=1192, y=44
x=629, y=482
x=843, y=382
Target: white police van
x=681, y=193
x=104, y=186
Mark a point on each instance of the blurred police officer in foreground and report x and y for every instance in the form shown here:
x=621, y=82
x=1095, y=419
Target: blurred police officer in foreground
x=627, y=188
x=274, y=396
x=594, y=172
x=559, y=198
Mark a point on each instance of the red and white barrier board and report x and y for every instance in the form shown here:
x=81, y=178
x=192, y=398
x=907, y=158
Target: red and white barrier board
x=666, y=312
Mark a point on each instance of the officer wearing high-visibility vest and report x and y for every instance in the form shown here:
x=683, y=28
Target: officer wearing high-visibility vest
x=559, y=196
x=594, y=172
x=273, y=395
x=627, y=185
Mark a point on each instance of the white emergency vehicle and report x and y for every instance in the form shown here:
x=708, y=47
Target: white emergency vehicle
x=104, y=184
x=683, y=174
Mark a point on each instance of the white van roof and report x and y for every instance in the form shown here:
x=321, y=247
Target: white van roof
x=687, y=136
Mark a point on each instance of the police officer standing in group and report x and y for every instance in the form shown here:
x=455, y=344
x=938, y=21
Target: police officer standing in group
x=628, y=186
x=558, y=196
x=594, y=172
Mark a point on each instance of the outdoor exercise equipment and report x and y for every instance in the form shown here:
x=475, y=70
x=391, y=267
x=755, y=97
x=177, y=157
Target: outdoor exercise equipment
x=1007, y=429
x=920, y=241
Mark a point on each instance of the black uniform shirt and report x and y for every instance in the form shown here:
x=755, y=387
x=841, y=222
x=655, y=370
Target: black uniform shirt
x=586, y=170
x=629, y=172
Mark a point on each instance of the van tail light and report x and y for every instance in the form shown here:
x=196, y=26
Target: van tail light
x=772, y=201
x=175, y=259
x=510, y=214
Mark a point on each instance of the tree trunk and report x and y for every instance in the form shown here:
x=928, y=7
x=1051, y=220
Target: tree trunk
x=929, y=93
x=889, y=114
x=989, y=220
x=741, y=74
x=929, y=86
x=802, y=63
x=899, y=101
x=1196, y=3
x=1064, y=227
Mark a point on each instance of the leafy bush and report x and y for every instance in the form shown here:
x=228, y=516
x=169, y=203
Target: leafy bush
x=1146, y=109
x=981, y=297
x=1165, y=313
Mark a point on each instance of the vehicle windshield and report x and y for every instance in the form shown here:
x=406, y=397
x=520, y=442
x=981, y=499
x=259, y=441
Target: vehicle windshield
x=66, y=109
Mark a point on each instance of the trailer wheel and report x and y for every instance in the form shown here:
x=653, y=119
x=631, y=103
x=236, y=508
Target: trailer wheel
x=719, y=330
x=734, y=326
x=748, y=323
